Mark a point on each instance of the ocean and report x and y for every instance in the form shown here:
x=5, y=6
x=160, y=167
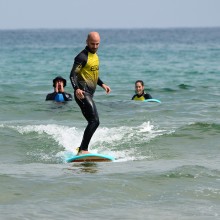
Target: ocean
x=167, y=154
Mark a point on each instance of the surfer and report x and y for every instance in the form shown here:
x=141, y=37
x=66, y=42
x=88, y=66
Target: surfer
x=84, y=77
x=59, y=94
x=140, y=94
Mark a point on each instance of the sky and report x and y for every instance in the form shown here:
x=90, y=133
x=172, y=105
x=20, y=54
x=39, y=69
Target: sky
x=25, y=14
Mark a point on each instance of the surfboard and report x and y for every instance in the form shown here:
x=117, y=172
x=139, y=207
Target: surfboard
x=93, y=157
x=152, y=100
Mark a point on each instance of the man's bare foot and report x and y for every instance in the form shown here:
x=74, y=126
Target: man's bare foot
x=83, y=152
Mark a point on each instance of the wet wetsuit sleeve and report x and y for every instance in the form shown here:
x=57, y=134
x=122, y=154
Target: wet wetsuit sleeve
x=79, y=62
x=51, y=96
x=100, y=82
x=67, y=96
x=133, y=97
x=147, y=96
x=73, y=76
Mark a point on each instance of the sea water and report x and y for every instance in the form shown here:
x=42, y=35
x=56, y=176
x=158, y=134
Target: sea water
x=167, y=154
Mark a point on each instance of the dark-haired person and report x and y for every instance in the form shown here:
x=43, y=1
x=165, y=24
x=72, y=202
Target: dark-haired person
x=84, y=77
x=140, y=94
x=59, y=95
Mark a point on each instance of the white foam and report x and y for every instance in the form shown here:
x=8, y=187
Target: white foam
x=67, y=137
x=116, y=141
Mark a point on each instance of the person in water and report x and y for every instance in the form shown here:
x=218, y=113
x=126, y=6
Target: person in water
x=84, y=77
x=140, y=94
x=59, y=94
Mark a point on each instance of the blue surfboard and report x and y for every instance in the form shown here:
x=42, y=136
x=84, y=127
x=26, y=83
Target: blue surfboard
x=152, y=100
x=93, y=157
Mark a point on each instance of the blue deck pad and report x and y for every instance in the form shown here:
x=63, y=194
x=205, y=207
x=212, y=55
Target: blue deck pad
x=93, y=157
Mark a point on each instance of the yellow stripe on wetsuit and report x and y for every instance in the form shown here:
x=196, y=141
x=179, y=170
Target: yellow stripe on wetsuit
x=90, y=72
x=141, y=98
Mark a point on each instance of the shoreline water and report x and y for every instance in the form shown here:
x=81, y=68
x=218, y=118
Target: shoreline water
x=167, y=164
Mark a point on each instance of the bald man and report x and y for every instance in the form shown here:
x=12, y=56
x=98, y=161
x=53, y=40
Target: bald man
x=84, y=78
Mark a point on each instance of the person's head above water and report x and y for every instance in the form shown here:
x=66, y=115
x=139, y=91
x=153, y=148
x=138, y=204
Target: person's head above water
x=140, y=94
x=139, y=87
x=59, y=94
x=58, y=80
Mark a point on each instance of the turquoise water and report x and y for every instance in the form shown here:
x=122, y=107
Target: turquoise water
x=167, y=155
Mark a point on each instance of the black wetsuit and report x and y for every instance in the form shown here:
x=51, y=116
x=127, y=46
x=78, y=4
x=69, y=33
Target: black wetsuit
x=52, y=96
x=85, y=76
x=141, y=97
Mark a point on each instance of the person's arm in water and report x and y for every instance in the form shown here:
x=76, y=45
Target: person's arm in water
x=133, y=97
x=67, y=96
x=147, y=96
x=51, y=96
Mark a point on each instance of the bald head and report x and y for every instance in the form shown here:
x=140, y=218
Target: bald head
x=93, y=41
x=93, y=36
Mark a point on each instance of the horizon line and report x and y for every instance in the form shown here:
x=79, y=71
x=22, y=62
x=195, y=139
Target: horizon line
x=109, y=28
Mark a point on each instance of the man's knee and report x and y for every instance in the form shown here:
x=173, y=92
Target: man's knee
x=95, y=122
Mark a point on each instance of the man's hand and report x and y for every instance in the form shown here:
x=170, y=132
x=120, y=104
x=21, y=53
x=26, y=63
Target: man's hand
x=80, y=94
x=59, y=87
x=106, y=88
